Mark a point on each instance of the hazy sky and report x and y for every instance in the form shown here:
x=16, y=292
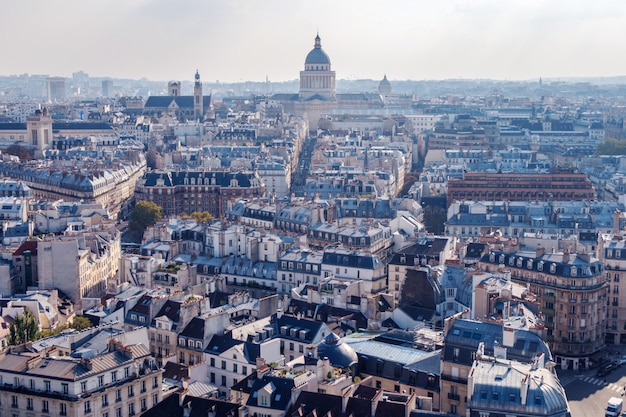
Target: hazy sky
x=237, y=40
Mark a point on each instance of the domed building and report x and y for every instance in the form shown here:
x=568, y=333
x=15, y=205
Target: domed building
x=384, y=88
x=338, y=353
x=318, y=94
x=317, y=79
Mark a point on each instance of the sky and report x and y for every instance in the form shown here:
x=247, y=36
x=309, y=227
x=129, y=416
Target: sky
x=249, y=40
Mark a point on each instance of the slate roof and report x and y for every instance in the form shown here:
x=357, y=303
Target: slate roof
x=281, y=392
x=176, y=178
x=559, y=264
x=468, y=334
x=13, y=126
x=182, y=102
x=310, y=327
x=195, y=329
x=171, y=309
x=339, y=353
x=56, y=126
x=310, y=404
x=353, y=259
x=192, y=407
x=498, y=384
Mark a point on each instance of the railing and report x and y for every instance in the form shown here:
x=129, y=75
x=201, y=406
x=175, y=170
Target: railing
x=451, y=378
x=452, y=396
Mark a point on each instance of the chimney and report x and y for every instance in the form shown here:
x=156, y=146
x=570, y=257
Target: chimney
x=524, y=389
x=540, y=251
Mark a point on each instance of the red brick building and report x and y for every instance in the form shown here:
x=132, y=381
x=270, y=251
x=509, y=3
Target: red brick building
x=187, y=191
x=556, y=185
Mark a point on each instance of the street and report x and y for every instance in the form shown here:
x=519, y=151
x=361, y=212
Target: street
x=588, y=394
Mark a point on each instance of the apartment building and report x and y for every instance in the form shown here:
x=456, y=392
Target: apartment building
x=572, y=290
x=122, y=382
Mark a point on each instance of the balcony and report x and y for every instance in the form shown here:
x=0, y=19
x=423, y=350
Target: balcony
x=452, y=396
x=451, y=378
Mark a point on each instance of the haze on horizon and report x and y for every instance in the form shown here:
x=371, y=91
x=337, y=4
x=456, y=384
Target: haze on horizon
x=246, y=40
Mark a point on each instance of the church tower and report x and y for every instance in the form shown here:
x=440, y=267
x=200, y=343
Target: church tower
x=197, y=98
x=39, y=130
x=317, y=77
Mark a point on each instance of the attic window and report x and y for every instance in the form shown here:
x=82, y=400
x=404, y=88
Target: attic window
x=277, y=397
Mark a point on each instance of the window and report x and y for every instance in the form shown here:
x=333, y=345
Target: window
x=87, y=406
x=113, y=376
x=131, y=391
x=223, y=364
x=46, y=386
x=29, y=403
x=126, y=372
x=100, y=380
x=105, y=400
x=131, y=409
x=14, y=402
x=143, y=386
x=155, y=382
x=45, y=406
x=83, y=386
x=63, y=409
x=66, y=388
x=144, y=405
x=118, y=395
x=155, y=399
x=118, y=412
x=223, y=380
x=212, y=362
x=234, y=367
x=244, y=370
x=212, y=377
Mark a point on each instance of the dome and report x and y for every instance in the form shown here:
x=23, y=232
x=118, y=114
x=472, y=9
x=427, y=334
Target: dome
x=338, y=353
x=317, y=56
x=384, y=88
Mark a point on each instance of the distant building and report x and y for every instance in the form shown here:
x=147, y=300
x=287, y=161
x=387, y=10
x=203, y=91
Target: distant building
x=55, y=87
x=195, y=107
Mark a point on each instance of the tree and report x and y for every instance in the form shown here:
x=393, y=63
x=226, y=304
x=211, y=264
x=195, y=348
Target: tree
x=409, y=179
x=201, y=216
x=144, y=214
x=24, y=328
x=20, y=151
x=80, y=323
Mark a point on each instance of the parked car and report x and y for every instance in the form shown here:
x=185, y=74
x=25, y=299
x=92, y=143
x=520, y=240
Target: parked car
x=605, y=370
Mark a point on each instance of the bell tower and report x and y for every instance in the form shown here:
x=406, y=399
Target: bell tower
x=198, y=111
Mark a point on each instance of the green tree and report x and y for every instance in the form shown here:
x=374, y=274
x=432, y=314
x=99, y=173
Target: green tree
x=201, y=216
x=612, y=147
x=144, y=214
x=24, y=328
x=80, y=323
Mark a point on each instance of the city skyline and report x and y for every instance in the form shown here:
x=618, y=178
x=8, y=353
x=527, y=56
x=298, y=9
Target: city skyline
x=233, y=41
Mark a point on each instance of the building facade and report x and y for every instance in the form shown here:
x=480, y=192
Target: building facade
x=572, y=289
x=556, y=185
